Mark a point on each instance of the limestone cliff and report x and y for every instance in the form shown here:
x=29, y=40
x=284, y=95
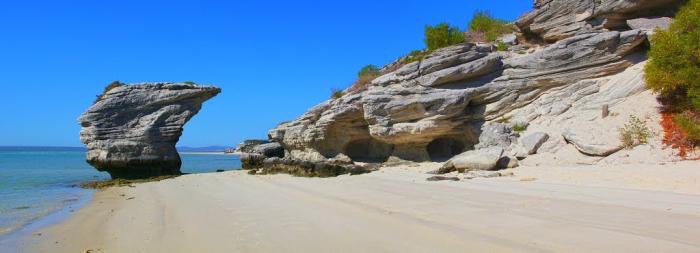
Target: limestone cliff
x=469, y=96
x=131, y=131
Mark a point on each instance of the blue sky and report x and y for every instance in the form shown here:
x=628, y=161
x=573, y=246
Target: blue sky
x=273, y=59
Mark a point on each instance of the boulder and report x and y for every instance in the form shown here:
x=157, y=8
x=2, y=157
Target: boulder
x=533, y=141
x=588, y=145
x=482, y=159
x=131, y=130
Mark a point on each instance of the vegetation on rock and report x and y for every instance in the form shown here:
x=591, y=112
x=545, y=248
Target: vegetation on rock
x=368, y=73
x=674, y=70
x=634, y=132
x=519, y=127
x=442, y=35
x=490, y=27
x=110, y=86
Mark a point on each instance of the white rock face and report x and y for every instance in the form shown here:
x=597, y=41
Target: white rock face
x=468, y=97
x=439, y=107
x=131, y=131
x=554, y=20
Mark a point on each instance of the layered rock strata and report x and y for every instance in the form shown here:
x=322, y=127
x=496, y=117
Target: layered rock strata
x=470, y=98
x=436, y=108
x=131, y=131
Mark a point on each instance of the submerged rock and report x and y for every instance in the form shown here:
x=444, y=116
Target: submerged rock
x=131, y=131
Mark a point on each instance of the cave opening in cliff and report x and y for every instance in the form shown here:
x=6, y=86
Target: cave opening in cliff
x=368, y=150
x=444, y=148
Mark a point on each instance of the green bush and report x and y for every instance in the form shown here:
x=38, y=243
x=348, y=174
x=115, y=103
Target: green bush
x=491, y=27
x=369, y=70
x=689, y=124
x=500, y=46
x=634, y=133
x=442, y=35
x=674, y=58
x=673, y=69
x=519, y=127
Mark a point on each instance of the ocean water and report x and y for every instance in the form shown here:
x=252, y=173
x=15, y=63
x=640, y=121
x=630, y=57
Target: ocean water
x=36, y=182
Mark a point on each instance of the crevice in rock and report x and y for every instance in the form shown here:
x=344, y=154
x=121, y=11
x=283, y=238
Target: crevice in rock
x=444, y=148
x=368, y=150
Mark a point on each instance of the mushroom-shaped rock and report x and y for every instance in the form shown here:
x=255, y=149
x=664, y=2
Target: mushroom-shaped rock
x=131, y=130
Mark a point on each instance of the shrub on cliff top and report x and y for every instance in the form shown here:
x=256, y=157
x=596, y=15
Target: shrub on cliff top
x=109, y=87
x=442, y=35
x=490, y=27
x=368, y=73
x=673, y=69
x=364, y=77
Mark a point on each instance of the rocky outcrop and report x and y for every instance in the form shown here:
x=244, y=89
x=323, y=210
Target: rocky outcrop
x=433, y=109
x=553, y=20
x=131, y=131
x=468, y=97
x=247, y=145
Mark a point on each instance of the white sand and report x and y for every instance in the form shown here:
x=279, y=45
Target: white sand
x=583, y=209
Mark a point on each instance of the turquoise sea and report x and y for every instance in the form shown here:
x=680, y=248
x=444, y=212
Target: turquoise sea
x=36, y=182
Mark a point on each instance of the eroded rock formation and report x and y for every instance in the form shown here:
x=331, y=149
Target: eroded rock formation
x=554, y=20
x=131, y=131
x=468, y=96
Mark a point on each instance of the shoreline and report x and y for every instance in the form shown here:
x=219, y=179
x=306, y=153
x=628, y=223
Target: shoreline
x=393, y=209
x=12, y=241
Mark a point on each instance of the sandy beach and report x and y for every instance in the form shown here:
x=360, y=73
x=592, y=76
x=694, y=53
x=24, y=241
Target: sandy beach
x=612, y=209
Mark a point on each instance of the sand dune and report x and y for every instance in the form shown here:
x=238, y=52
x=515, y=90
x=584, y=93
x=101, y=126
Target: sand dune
x=392, y=210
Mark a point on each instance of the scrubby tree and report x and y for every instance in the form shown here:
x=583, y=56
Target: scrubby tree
x=674, y=58
x=442, y=35
x=673, y=69
x=369, y=70
x=491, y=27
